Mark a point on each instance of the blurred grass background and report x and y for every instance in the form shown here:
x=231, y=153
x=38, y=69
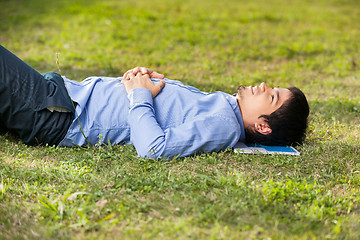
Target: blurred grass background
x=63, y=193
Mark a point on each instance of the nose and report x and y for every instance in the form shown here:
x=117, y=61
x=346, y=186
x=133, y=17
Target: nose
x=264, y=87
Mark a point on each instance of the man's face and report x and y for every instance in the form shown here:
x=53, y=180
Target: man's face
x=260, y=100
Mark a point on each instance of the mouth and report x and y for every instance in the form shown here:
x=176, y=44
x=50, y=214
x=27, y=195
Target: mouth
x=252, y=90
x=242, y=89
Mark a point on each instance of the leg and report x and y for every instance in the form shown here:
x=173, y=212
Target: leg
x=22, y=91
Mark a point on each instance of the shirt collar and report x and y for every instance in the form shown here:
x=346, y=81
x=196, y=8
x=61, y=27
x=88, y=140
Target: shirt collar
x=233, y=102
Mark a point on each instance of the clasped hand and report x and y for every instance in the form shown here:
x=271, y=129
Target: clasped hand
x=139, y=77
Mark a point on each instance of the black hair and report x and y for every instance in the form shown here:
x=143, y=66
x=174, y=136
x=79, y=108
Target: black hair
x=288, y=123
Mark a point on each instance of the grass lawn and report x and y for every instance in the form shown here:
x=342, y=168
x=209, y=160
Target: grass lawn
x=109, y=193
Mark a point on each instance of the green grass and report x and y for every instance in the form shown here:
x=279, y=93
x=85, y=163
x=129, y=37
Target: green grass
x=109, y=193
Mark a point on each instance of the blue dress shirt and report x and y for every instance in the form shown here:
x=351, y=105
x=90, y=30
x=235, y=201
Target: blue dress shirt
x=180, y=121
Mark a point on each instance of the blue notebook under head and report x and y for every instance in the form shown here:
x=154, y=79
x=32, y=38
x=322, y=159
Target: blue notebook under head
x=251, y=148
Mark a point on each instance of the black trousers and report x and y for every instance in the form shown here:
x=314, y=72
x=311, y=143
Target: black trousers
x=25, y=95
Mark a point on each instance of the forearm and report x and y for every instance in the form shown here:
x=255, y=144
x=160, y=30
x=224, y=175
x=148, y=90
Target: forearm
x=146, y=134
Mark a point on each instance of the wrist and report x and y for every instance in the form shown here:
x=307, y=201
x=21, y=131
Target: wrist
x=139, y=95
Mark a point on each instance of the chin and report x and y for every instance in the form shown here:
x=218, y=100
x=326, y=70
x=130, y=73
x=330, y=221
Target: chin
x=240, y=90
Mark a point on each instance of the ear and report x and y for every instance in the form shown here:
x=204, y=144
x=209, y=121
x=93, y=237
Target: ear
x=263, y=128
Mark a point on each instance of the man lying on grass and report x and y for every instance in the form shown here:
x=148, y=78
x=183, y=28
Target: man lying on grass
x=160, y=117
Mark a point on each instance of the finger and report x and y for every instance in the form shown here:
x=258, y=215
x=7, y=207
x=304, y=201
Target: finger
x=138, y=74
x=157, y=75
x=145, y=70
x=128, y=72
x=157, y=88
x=135, y=70
x=130, y=76
x=146, y=75
x=125, y=76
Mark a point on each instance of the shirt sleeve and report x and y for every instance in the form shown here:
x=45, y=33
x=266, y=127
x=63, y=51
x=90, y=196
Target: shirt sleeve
x=202, y=134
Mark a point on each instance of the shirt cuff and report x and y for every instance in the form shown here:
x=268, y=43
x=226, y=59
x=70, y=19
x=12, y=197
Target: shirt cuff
x=139, y=96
